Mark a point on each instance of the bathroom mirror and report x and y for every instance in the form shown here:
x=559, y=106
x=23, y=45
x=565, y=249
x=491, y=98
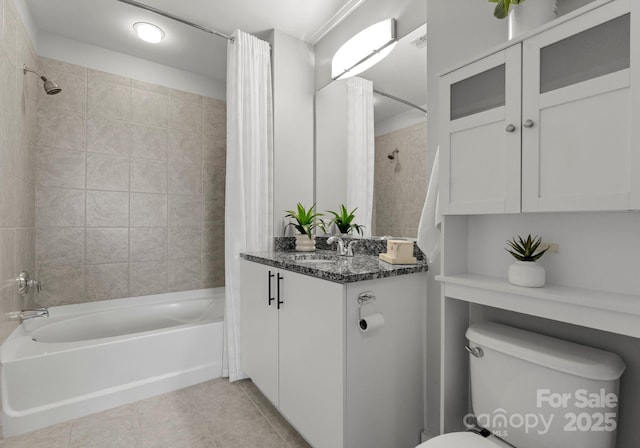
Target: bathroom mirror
x=400, y=170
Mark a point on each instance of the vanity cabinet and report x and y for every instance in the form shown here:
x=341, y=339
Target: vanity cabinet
x=545, y=124
x=292, y=348
x=338, y=386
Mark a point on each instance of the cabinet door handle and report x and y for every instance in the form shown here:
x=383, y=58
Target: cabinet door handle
x=280, y=302
x=510, y=128
x=528, y=124
x=271, y=299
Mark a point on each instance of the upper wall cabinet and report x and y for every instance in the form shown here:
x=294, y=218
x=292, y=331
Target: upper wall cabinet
x=546, y=123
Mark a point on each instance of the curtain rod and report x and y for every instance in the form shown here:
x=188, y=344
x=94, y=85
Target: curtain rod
x=393, y=97
x=178, y=19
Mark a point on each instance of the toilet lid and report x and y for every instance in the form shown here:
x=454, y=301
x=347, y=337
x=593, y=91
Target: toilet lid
x=463, y=440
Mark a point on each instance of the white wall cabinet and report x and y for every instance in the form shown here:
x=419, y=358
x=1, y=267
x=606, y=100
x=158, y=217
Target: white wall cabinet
x=545, y=124
x=338, y=386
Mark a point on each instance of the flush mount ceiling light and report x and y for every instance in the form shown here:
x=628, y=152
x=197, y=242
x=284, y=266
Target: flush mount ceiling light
x=364, y=50
x=148, y=32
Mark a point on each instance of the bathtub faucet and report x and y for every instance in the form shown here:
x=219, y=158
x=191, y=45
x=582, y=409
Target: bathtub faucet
x=30, y=314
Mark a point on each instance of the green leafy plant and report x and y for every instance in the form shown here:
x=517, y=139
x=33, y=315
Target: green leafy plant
x=502, y=7
x=525, y=250
x=343, y=221
x=305, y=219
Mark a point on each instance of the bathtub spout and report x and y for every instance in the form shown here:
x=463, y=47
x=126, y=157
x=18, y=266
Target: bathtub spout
x=30, y=314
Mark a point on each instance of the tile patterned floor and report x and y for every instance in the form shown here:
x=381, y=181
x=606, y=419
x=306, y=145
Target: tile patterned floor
x=215, y=414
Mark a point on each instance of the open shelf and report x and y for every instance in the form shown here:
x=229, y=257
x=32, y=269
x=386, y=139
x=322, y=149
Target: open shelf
x=613, y=312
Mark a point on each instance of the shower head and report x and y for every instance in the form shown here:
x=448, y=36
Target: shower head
x=392, y=154
x=50, y=87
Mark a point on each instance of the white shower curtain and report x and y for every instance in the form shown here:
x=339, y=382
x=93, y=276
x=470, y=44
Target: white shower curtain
x=249, y=183
x=360, y=151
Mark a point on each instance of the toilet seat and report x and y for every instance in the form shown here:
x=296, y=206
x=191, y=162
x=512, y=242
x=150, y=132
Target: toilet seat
x=464, y=440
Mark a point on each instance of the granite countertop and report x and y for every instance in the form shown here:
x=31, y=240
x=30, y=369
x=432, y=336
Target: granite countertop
x=327, y=265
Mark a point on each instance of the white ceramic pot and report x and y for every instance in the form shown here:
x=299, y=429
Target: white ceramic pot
x=526, y=273
x=530, y=14
x=305, y=244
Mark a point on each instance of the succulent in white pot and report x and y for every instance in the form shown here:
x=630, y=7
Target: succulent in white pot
x=526, y=271
x=527, y=15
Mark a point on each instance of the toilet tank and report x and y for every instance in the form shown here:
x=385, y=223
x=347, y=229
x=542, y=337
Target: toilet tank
x=536, y=391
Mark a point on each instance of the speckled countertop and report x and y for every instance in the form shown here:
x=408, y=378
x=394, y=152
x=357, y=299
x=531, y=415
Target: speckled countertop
x=338, y=269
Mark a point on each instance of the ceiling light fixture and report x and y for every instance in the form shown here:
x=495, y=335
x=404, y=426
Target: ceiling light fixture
x=148, y=32
x=364, y=50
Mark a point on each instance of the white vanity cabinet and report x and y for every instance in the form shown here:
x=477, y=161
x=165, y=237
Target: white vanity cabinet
x=292, y=348
x=338, y=386
x=546, y=123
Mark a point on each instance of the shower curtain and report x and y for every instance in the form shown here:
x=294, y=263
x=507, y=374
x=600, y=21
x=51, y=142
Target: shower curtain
x=360, y=151
x=249, y=183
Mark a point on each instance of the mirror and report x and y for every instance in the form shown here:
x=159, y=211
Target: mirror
x=400, y=166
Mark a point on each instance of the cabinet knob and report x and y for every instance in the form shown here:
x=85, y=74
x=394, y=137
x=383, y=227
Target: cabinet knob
x=510, y=128
x=528, y=123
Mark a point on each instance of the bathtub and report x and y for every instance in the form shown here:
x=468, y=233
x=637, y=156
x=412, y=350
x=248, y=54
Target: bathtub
x=90, y=357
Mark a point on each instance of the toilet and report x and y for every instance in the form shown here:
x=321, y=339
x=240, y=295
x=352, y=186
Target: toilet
x=530, y=391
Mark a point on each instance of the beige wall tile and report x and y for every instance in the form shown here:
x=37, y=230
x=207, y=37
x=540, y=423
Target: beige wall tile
x=107, y=99
x=8, y=266
x=185, y=210
x=213, y=211
x=185, y=178
x=214, y=150
x=149, y=107
x=8, y=111
x=59, y=246
x=9, y=33
x=97, y=76
x=181, y=95
x=60, y=168
x=148, y=243
x=107, y=245
x=8, y=199
x=214, y=116
x=107, y=209
x=25, y=207
x=60, y=129
x=184, y=274
x=57, y=207
x=184, y=242
x=107, y=281
x=214, y=180
x=185, y=115
x=73, y=97
x=148, y=277
x=148, y=210
x=148, y=176
x=109, y=136
x=150, y=87
x=61, y=285
x=213, y=241
x=184, y=147
x=148, y=142
x=107, y=172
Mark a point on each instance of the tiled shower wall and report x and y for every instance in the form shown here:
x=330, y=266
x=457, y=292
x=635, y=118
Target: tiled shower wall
x=129, y=188
x=18, y=104
x=400, y=185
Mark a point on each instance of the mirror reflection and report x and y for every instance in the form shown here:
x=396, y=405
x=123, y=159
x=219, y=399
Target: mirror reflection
x=400, y=140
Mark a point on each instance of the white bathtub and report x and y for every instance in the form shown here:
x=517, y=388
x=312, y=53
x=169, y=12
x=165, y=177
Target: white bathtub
x=90, y=357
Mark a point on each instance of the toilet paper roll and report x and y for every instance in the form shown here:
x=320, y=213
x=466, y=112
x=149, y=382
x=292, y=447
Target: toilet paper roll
x=371, y=322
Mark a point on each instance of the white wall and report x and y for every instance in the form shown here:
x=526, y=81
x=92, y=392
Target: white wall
x=293, y=92
x=98, y=58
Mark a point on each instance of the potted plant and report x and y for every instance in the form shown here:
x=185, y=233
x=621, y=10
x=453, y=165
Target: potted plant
x=525, y=271
x=529, y=15
x=343, y=219
x=305, y=222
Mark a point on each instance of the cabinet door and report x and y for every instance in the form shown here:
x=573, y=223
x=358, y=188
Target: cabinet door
x=577, y=114
x=480, y=108
x=259, y=322
x=312, y=358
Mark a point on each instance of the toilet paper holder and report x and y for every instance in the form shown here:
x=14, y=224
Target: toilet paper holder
x=364, y=298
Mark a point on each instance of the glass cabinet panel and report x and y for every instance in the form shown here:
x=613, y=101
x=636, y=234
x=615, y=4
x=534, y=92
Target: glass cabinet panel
x=478, y=93
x=592, y=53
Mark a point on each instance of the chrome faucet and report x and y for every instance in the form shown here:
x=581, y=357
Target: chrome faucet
x=342, y=249
x=30, y=314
